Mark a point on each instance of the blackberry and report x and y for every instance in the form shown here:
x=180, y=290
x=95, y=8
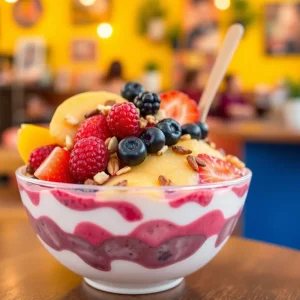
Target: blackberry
x=148, y=103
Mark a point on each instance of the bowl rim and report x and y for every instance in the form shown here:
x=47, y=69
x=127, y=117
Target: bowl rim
x=59, y=185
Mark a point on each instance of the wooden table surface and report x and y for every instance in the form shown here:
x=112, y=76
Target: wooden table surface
x=242, y=270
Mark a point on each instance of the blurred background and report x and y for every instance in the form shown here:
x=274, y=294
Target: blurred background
x=51, y=50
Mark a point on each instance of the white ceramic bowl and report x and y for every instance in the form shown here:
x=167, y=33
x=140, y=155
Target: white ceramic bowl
x=133, y=240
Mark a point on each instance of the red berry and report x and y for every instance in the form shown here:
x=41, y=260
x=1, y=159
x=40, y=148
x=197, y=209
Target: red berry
x=93, y=126
x=217, y=170
x=88, y=157
x=55, y=167
x=123, y=120
x=179, y=107
x=38, y=155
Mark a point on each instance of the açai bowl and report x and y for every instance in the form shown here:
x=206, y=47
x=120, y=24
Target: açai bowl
x=135, y=212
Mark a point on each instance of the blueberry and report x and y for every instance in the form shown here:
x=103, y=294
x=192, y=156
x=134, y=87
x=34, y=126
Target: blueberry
x=153, y=138
x=192, y=129
x=204, y=129
x=131, y=90
x=171, y=130
x=132, y=151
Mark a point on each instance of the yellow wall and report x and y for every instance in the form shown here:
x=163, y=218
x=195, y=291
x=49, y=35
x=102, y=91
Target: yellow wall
x=125, y=44
x=252, y=64
x=134, y=51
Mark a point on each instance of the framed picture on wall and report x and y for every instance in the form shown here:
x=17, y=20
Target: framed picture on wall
x=30, y=58
x=90, y=11
x=282, y=28
x=84, y=50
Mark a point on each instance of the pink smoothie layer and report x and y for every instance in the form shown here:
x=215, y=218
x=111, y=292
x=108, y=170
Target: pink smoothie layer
x=153, y=244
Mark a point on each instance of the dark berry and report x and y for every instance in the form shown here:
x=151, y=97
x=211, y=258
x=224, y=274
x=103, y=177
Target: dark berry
x=132, y=151
x=171, y=130
x=192, y=129
x=148, y=103
x=131, y=90
x=204, y=129
x=153, y=138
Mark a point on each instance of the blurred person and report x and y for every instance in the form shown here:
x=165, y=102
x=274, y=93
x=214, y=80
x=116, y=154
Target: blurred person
x=113, y=80
x=193, y=84
x=231, y=104
x=37, y=111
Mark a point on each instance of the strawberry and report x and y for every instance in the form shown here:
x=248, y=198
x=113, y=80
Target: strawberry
x=180, y=107
x=55, y=167
x=217, y=170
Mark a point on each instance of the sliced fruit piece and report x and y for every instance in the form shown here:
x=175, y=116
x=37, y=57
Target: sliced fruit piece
x=217, y=170
x=55, y=167
x=38, y=155
x=31, y=137
x=70, y=114
x=180, y=107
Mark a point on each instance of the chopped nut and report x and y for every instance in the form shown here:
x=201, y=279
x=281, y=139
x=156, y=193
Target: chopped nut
x=138, y=111
x=186, y=137
x=106, y=110
x=181, y=150
x=101, y=107
x=90, y=182
x=113, y=145
x=107, y=142
x=160, y=115
x=113, y=166
x=235, y=161
x=162, y=150
x=151, y=119
x=92, y=113
x=29, y=169
x=123, y=171
x=192, y=162
x=122, y=183
x=143, y=123
x=200, y=162
x=71, y=120
x=101, y=178
x=110, y=102
x=163, y=181
x=69, y=143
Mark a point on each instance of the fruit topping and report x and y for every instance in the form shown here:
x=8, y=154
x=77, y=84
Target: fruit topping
x=192, y=129
x=94, y=126
x=88, y=158
x=76, y=108
x=38, y=155
x=148, y=103
x=131, y=90
x=55, y=167
x=31, y=137
x=180, y=107
x=123, y=120
x=132, y=151
x=171, y=130
x=204, y=130
x=216, y=170
x=153, y=138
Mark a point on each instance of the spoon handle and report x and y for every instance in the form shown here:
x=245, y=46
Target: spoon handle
x=230, y=44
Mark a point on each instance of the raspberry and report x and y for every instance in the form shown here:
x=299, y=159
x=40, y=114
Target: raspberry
x=89, y=156
x=123, y=120
x=93, y=126
x=38, y=155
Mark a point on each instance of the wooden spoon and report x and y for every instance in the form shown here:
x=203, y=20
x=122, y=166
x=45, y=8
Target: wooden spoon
x=230, y=44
